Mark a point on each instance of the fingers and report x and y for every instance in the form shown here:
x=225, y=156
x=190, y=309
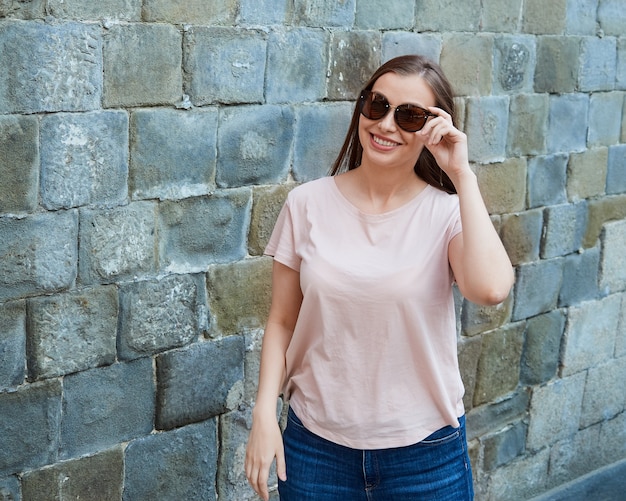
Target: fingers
x=257, y=478
x=281, y=467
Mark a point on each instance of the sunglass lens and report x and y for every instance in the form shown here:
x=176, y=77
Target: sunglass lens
x=411, y=118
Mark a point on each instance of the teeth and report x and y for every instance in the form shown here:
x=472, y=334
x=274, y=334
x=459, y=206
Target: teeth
x=382, y=142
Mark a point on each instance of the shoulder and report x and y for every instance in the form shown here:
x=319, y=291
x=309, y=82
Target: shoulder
x=310, y=190
x=443, y=199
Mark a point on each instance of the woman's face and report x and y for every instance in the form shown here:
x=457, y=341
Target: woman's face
x=384, y=143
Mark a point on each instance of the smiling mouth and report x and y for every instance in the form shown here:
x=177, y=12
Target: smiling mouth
x=383, y=142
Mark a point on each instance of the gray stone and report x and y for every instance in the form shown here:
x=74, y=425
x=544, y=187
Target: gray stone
x=117, y=244
x=580, y=18
x=503, y=185
x=196, y=12
x=574, y=456
x=605, y=112
x=564, y=229
x=402, y=43
x=50, y=67
x=84, y=159
x=476, y=319
x=562, y=136
x=586, y=174
x=514, y=64
x=526, y=476
x=173, y=153
x=224, y=65
x=97, y=477
x=501, y=15
x=487, y=124
x=613, y=438
x=159, y=314
x=497, y=414
x=38, y=254
x=10, y=489
x=537, y=288
x=395, y=15
x=28, y=9
x=469, y=351
x=540, y=17
x=268, y=201
x=215, y=387
x=322, y=13
x=71, y=332
x=620, y=75
x=447, y=15
x=29, y=422
x=521, y=235
x=124, y=10
x=540, y=357
x=106, y=406
x=547, y=177
x=590, y=334
x=620, y=343
x=528, y=121
x=19, y=163
x=602, y=210
x=558, y=59
x=464, y=61
x=616, y=170
x=196, y=232
x=612, y=17
x=598, y=63
x=580, y=277
x=179, y=464
x=296, y=66
x=613, y=264
x=254, y=155
x=142, y=65
x=604, y=395
x=12, y=344
x=263, y=12
x=504, y=446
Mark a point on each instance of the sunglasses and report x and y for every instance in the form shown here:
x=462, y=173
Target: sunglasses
x=409, y=117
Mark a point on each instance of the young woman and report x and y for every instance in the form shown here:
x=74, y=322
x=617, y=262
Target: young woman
x=361, y=335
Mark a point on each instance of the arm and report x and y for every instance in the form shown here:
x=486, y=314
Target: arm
x=265, y=441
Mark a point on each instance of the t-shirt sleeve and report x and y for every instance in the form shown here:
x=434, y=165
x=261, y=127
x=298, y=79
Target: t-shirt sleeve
x=455, y=227
x=282, y=243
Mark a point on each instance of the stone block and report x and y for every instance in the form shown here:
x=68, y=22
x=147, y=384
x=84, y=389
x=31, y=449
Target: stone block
x=612, y=17
x=580, y=277
x=97, y=477
x=142, y=65
x=498, y=414
x=572, y=457
x=613, y=439
x=401, y=43
x=620, y=343
x=537, y=288
x=354, y=56
x=616, y=170
x=555, y=411
x=486, y=123
x=502, y=447
x=38, y=254
x=564, y=228
x=252, y=362
x=29, y=422
x=196, y=232
x=178, y=464
x=620, y=72
x=224, y=65
x=586, y=174
x=503, y=185
x=296, y=66
x=254, y=155
x=498, y=369
x=580, y=18
x=71, y=332
x=541, y=18
x=117, y=244
x=268, y=201
x=173, y=153
x=321, y=13
x=604, y=396
x=122, y=10
x=221, y=12
x=240, y=295
x=160, y=314
x=527, y=475
x=613, y=264
x=29, y=9
x=542, y=343
x=263, y=12
x=605, y=113
x=521, y=235
x=84, y=159
x=598, y=62
x=528, y=122
x=564, y=110
x=398, y=15
x=12, y=344
x=320, y=133
x=557, y=64
x=476, y=319
x=54, y=67
x=10, y=489
x=600, y=211
x=19, y=163
x=514, y=64
x=469, y=351
x=447, y=15
x=501, y=16
x=464, y=63
x=106, y=406
x=215, y=387
x=590, y=334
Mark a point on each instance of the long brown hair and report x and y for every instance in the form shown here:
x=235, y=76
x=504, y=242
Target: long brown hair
x=426, y=166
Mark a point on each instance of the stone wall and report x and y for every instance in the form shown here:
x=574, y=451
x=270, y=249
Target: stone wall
x=145, y=149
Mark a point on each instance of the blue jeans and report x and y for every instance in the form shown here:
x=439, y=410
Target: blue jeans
x=436, y=469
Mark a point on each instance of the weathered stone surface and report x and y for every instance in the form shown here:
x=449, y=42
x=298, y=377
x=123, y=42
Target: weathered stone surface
x=190, y=11
x=521, y=235
x=540, y=17
x=540, y=357
x=613, y=265
x=580, y=17
x=142, y=65
x=469, y=351
x=558, y=59
x=613, y=439
x=503, y=185
x=601, y=211
x=598, y=64
x=29, y=420
x=620, y=342
x=254, y=155
x=224, y=65
x=24, y=9
x=354, y=56
x=502, y=447
x=268, y=201
x=574, y=456
x=611, y=17
x=37, y=254
x=84, y=159
x=173, y=153
x=476, y=319
x=616, y=170
x=537, y=288
x=496, y=415
x=124, y=10
x=561, y=135
x=620, y=75
x=263, y=12
x=178, y=464
x=215, y=387
x=92, y=478
x=464, y=63
x=501, y=15
x=197, y=232
x=106, y=406
x=240, y=295
x=50, y=67
x=528, y=122
x=117, y=244
x=547, y=178
x=322, y=13
x=401, y=43
x=447, y=15
x=604, y=392
x=586, y=174
x=605, y=112
x=580, y=277
x=19, y=163
x=590, y=334
x=564, y=228
x=397, y=15
x=12, y=344
x=487, y=124
x=514, y=64
x=10, y=489
x=527, y=475
x=71, y=332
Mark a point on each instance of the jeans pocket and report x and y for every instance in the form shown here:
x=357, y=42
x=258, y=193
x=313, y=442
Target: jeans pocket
x=442, y=436
x=294, y=420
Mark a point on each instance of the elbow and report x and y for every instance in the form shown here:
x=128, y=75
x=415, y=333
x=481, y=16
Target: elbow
x=493, y=292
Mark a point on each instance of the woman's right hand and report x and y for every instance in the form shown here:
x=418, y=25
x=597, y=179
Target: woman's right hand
x=264, y=444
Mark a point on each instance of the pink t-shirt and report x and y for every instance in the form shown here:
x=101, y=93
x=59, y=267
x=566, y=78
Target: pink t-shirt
x=372, y=362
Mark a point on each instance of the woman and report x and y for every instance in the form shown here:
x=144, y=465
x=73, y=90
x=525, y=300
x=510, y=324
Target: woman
x=361, y=334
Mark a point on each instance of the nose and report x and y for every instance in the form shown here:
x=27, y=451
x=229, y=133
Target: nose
x=388, y=122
